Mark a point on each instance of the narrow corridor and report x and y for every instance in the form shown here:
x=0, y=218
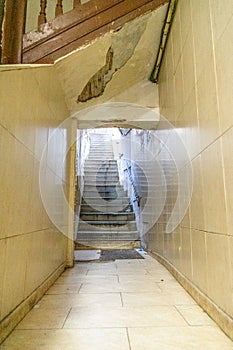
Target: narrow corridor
x=117, y=305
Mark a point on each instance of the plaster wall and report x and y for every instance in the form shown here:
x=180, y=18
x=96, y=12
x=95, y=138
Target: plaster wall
x=134, y=48
x=195, y=92
x=31, y=248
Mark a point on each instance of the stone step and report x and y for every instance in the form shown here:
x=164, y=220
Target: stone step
x=107, y=216
x=102, y=180
x=100, y=162
x=112, y=225
x=104, y=195
x=94, y=172
x=106, y=161
x=102, y=177
x=101, y=157
x=100, y=166
x=113, y=188
x=124, y=235
x=122, y=202
x=108, y=208
x=107, y=244
x=102, y=186
x=100, y=150
x=100, y=169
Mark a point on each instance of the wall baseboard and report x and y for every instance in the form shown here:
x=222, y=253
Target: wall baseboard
x=224, y=321
x=10, y=321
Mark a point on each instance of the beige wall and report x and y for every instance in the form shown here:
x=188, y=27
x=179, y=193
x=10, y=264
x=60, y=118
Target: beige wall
x=31, y=248
x=196, y=90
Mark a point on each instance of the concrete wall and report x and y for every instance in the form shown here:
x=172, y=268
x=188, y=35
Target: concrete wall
x=31, y=248
x=195, y=89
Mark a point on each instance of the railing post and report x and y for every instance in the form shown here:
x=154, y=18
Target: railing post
x=13, y=30
x=59, y=9
x=42, y=16
x=2, y=4
x=77, y=3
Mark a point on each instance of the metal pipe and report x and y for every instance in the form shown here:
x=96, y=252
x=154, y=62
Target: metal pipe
x=163, y=41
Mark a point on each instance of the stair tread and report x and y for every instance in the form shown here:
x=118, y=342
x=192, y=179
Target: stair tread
x=106, y=213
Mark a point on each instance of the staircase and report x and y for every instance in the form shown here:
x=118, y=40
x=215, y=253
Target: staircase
x=107, y=220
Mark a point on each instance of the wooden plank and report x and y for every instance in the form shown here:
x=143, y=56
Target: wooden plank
x=2, y=5
x=13, y=29
x=78, y=15
x=71, y=39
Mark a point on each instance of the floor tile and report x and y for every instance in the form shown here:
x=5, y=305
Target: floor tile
x=194, y=315
x=124, y=317
x=102, y=272
x=178, y=338
x=86, y=255
x=143, y=278
x=90, y=306
x=44, y=319
x=75, y=279
x=64, y=288
x=136, y=286
x=75, y=300
x=66, y=339
x=144, y=299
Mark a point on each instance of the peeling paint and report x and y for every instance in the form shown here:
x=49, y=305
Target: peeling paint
x=96, y=85
x=45, y=30
x=124, y=43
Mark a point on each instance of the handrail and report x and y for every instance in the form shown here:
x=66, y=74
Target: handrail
x=81, y=25
x=12, y=25
x=137, y=197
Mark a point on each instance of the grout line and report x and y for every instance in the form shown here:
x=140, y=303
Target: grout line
x=80, y=288
x=25, y=233
x=121, y=299
x=181, y=314
x=127, y=332
x=66, y=318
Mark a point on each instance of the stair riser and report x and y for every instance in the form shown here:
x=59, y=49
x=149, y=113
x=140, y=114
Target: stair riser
x=101, y=179
x=103, y=196
x=107, y=245
x=96, y=189
x=106, y=236
x=100, y=162
x=122, y=203
x=103, y=208
x=84, y=226
x=99, y=217
x=101, y=167
x=101, y=157
x=101, y=172
x=108, y=186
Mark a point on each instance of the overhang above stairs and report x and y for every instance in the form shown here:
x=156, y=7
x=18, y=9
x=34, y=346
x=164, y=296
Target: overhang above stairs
x=114, y=67
x=82, y=25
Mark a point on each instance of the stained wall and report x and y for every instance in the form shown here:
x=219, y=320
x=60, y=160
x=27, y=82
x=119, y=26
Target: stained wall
x=195, y=91
x=31, y=247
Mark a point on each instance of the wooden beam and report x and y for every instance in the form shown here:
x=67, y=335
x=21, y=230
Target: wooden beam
x=76, y=3
x=13, y=30
x=2, y=5
x=84, y=29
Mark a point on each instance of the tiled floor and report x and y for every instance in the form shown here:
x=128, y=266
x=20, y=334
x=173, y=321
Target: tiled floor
x=121, y=305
